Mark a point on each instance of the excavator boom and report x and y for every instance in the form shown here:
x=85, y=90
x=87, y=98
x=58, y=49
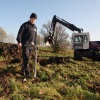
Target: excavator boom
x=62, y=22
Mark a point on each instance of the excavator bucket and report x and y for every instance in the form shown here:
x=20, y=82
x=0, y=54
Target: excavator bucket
x=48, y=39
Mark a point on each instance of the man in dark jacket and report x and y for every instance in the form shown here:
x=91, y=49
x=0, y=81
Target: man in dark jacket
x=26, y=38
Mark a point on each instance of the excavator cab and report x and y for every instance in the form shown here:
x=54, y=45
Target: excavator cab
x=80, y=40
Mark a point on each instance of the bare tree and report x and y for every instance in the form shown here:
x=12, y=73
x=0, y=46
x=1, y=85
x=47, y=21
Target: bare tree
x=10, y=38
x=39, y=40
x=45, y=30
x=2, y=34
x=60, y=40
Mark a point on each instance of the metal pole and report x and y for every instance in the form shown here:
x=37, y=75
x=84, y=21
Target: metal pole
x=35, y=62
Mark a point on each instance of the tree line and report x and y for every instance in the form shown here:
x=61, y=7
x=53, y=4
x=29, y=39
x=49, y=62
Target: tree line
x=6, y=38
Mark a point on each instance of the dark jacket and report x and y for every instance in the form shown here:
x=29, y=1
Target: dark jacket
x=27, y=34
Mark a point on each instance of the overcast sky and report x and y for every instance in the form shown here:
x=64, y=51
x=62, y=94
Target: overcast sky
x=82, y=13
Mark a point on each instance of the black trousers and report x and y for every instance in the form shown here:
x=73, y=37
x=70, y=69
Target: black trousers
x=26, y=56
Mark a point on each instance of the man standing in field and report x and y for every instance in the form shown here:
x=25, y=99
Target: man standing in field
x=26, y=38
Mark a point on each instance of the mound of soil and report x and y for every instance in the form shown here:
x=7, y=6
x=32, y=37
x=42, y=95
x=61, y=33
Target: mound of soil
x=10, y=52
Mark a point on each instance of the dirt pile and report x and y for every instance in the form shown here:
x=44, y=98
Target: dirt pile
x=10, y=52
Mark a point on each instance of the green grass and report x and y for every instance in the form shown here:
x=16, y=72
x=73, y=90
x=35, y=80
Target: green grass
x=2, y=58
x=59, y=77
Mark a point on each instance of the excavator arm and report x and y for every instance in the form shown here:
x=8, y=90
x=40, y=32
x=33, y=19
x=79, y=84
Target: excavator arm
x=64, y=23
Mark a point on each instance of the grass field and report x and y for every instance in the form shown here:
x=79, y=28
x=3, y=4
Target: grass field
x=59, y=77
